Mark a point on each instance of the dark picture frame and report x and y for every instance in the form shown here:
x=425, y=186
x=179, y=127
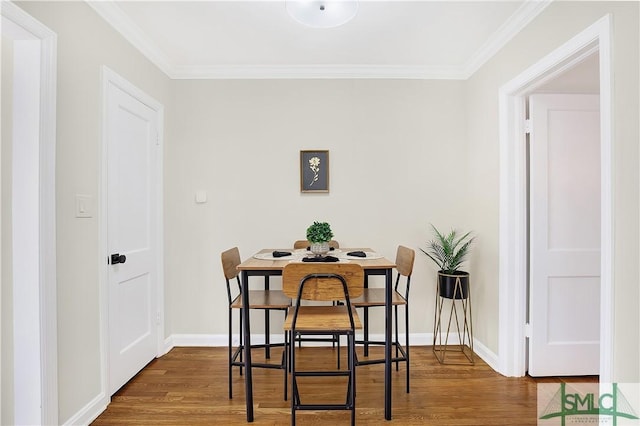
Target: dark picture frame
x=314, y=171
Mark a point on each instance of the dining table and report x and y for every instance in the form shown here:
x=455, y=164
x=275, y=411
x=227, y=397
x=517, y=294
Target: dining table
x=271, y=262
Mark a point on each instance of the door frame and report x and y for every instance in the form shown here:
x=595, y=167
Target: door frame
x=45, y=300
x=109, y=77
x=513, y=192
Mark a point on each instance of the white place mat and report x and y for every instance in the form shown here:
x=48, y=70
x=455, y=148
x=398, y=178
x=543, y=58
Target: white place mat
x=269, y=256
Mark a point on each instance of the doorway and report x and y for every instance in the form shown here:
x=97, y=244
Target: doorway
x=30, y=335
x=513, y=269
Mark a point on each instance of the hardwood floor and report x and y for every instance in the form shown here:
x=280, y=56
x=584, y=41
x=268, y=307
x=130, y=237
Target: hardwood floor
x=188, y=386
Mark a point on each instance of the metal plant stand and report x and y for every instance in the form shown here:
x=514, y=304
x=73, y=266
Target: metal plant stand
x=460, y=313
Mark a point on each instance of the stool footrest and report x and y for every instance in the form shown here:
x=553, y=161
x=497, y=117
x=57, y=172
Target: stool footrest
x=341, y=407
x=399, y=347
x=336, y=373
x=240, y=350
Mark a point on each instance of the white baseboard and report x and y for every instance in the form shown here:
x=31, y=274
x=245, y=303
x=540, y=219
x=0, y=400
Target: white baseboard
x=417, y=339
x=89, y=412
x=214, y=340
x=487, y=356
x=94, y=408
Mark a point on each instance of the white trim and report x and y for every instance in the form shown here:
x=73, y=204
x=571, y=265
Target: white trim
x=25, y=218
x=317, y=72
x=121, y=22
x=48, y=283
x=512, y=26
x=491, y=358
x=606, y=200
x=89, y=412
x=47, y=213
x=94, y=408
x=513, y=261
x=160, y=230
x=512, y=268
x=108, y=77
x=417, y=339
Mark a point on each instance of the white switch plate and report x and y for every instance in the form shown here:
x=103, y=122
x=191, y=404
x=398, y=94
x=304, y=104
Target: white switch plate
x=84, y=205
x=201, y=196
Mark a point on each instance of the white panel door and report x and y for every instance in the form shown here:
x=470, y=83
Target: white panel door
x=131, y=132
x=564, y=301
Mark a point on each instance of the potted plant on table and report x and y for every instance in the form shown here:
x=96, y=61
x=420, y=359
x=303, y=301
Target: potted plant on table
x=449, y=252
x=319, y=234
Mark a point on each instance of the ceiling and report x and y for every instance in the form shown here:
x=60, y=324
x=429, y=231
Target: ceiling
x=258, y=39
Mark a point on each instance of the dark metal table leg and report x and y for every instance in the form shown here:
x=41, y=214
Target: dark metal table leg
x=267, y=327
x=366, y=320
x=388, y=285
x=248, y=378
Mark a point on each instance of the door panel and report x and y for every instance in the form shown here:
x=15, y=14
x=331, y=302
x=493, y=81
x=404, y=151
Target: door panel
x=131, y=129
x=573, y=325
x=564, y=235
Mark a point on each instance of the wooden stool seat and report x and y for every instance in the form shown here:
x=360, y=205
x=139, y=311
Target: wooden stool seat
x=314, y=318
x=376, y=297
x=264, y=299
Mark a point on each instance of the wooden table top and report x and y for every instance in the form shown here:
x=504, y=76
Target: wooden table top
x=277, y=264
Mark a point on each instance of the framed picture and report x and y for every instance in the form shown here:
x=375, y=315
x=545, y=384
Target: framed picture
x=314, y=171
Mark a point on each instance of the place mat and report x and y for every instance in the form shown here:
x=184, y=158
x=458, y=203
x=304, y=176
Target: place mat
x=269, y=256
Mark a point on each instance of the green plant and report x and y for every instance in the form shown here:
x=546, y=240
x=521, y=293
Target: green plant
x=319, y=232
x=449, y=251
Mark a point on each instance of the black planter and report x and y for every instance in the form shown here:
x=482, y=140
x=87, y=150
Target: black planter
x=447, y=284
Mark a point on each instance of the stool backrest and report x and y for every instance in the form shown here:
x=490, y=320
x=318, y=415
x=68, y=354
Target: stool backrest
x=321, y=280
x=230, y=261
x=404, y=260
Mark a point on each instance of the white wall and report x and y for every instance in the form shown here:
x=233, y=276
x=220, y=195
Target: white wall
x=85, y=43
x=557, y=24
x=397, y=154
x=6, y=259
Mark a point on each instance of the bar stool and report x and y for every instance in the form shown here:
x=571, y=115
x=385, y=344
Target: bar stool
x=266, y=300
x=323, y=282
x=333, y=244
x=375, y=297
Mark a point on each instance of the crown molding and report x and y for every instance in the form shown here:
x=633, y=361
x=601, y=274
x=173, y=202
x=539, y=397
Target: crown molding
x=111, y=13
x=316, y=72
x=121, y=22
x=512, y=26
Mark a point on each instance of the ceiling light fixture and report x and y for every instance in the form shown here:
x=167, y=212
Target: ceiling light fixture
x=322, y=13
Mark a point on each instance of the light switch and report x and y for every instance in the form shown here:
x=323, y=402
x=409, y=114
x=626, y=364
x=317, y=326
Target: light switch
x=84, y=205
x=201, y=196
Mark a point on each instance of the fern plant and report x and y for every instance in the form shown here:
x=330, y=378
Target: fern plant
x=449, y=251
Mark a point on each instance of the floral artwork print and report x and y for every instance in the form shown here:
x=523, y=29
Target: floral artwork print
x=314, y=165
x=314, y=171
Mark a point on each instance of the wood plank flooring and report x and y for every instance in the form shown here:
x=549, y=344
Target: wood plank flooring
x=188, y=386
